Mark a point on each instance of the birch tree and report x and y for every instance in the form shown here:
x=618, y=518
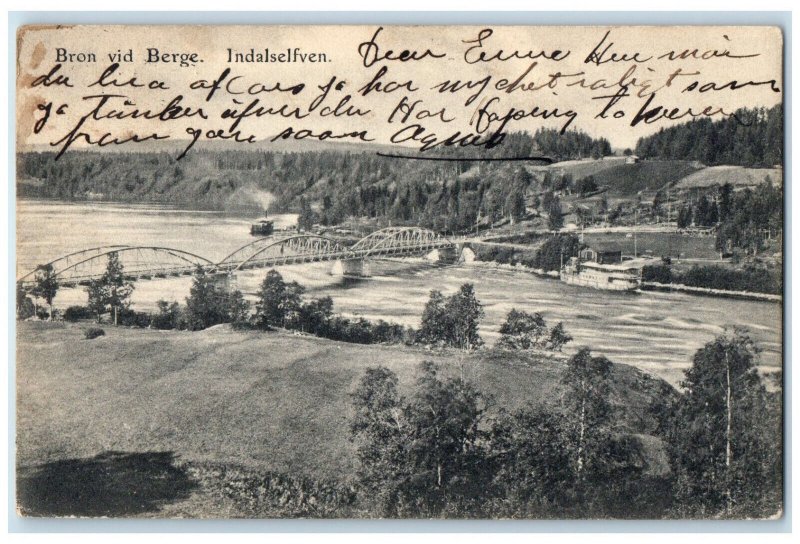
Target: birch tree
x=724, y=441
x=586, y=410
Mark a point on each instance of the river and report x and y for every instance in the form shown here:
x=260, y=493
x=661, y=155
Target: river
x=657, y=332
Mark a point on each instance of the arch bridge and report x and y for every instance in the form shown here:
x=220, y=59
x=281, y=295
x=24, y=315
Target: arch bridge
x=138, y=262
x=152, y=262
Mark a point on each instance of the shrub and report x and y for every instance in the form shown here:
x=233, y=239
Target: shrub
x=246, y=325
x=168, y=316
x=660, y=273
x=76, y=313
x=93, y=332
x=25, y=308
x=131, y=318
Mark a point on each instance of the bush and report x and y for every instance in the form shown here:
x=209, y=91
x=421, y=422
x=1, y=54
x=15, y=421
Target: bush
x=246, y=325
x=25, y=308
x=94, y=332
x=168, y=316
x=131, y=318
x=76, y=313
x=660, y=273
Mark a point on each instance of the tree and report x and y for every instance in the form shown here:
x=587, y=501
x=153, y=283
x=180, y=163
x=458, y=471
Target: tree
x=556, y=249
x=464, y=312
x=209, y=304
x=452, y=321
x=168, y=315
x=116, y=289
x=724, y=442
x=96, y=300
x=725, y=202
x=306, y=217
x=426, y=455
x=587, y=409
x=448, y=462
x=558, y=337
x=434, y=326
x=279, y=303
x=555, y=215
x=515, y=204
x=316, y=314
x=684, y=217
x=380, y=429
x=533, y=463
x=586, y=185
x=25, y=307
x=705, y=213
x=45, y=286
x=522, y=330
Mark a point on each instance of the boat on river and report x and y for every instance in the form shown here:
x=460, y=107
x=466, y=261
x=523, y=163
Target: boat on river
x=602, y=268
x=262, y=228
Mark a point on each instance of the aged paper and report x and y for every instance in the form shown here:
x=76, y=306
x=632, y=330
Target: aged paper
x=400, y=271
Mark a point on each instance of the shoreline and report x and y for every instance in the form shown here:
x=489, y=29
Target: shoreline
x=646, y=286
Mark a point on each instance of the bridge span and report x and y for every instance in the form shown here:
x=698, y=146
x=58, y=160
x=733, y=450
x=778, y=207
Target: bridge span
x=151, y=262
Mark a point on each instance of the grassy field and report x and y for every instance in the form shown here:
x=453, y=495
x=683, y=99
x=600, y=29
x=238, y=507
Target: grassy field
x=737, y=176
x=626, y=180
x=588, y=167
x=659, y=244
x=145, y=402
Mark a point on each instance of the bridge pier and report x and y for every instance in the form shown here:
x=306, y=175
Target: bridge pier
x=445, y=255
x=352, y=267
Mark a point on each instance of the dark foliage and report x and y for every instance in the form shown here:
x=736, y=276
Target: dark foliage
x=132, y=318
x=452, y=321
x=76, y=313
x=341, y=184
x=725, y=437
x=556, y=250
x=169, y=316
x=754, y=137
x=93, y=332
x=210, y=304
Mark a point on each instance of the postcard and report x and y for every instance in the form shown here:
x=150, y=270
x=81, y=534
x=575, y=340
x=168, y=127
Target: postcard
x=429, y=272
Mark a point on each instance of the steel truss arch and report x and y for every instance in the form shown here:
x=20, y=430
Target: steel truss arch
x=139, y=262
x=402, y=240
x=291, y=250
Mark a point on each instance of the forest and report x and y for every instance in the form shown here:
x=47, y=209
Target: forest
x=752, y=137
x=340, y=184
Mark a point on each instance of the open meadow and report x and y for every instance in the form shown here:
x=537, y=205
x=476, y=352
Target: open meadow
x=181, y=410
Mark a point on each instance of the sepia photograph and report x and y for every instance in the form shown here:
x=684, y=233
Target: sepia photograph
x=399, y=272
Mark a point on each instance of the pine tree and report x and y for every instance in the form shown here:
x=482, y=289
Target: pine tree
x=555, y=219
x=279, y=303
x=117, y=290
x=45, y=286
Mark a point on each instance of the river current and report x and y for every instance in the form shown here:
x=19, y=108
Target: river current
x=657, y=332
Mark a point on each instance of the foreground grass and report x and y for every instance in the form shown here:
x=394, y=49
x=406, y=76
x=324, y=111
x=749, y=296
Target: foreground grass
x=248, y=401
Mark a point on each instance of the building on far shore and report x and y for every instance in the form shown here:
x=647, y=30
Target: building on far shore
x=601, y=254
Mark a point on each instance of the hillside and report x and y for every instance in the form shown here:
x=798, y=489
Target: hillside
x=584, y=167
x=626, y=180
x=737, y=176
x=268, y=401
